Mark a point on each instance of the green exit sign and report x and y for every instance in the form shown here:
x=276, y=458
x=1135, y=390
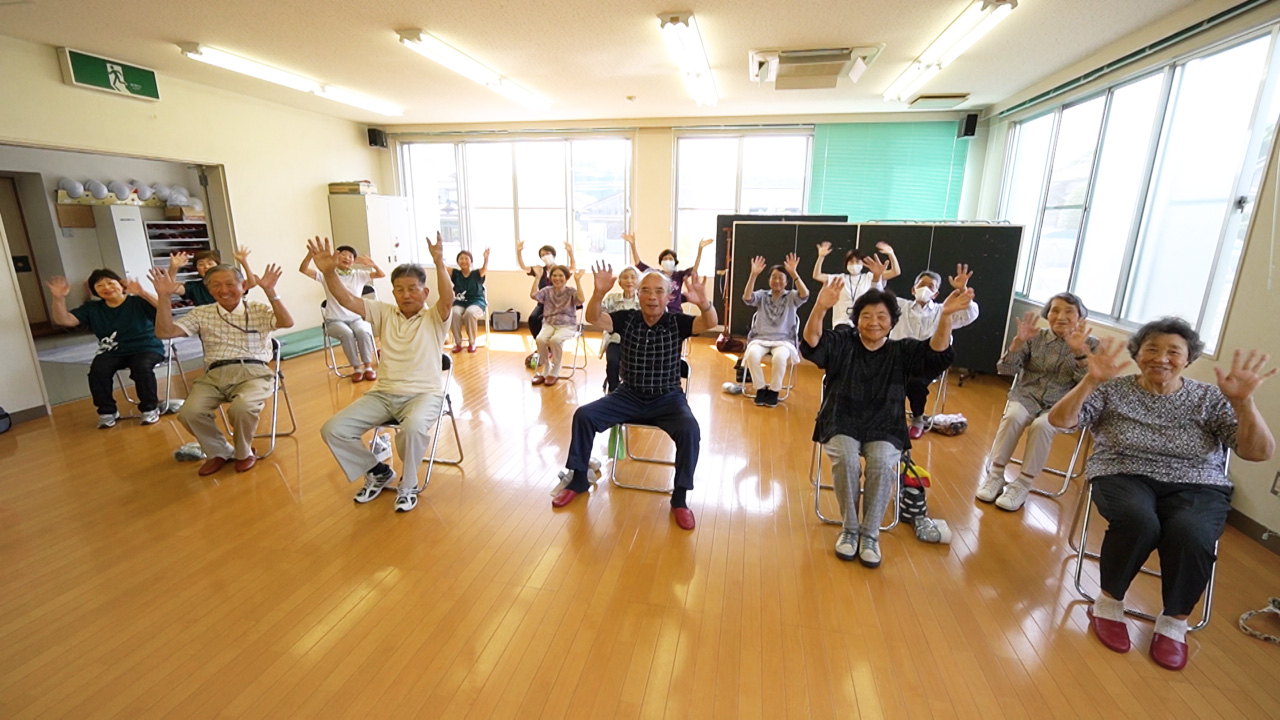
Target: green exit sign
x=99, y=73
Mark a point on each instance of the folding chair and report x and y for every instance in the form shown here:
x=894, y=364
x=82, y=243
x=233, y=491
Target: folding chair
x=446, y=408
x=626, y=441
x=278, y=389
x=789, y=381
x=940, y=397
x=1084, y=513
x=815, y=478
x=579, y=341
x=1075, y=468
x=170, y=360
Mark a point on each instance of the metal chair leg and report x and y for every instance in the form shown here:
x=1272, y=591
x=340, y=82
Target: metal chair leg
x=1075, y=468
x=940, y=397
x=613, y=466
x=815, y=478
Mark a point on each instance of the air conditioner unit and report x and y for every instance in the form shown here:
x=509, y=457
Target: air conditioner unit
x=810, y=69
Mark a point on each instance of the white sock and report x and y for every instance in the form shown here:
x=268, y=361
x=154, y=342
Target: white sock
x=1108, y=608
x=1172, y=628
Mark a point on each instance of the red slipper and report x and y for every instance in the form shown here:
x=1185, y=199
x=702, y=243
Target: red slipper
x=565, y=497
x=1168, y=653
x=1113, y=634
x=684, y=518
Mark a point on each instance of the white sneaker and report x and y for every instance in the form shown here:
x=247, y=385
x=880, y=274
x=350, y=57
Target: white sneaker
x=151, y=417
x=106, y=421
x=991, y=486
x=373, y=485
x=1013, y=497
x=847, y=545
x=406, y=502
x=869, y=552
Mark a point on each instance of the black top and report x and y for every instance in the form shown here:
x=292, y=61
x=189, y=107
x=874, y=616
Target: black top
x=126, y=329
x=865, y=390
x=651, y=354
x=197, y=293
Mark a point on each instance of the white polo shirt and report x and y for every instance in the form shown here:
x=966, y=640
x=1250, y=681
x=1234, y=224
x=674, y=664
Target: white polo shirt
x=411, y=349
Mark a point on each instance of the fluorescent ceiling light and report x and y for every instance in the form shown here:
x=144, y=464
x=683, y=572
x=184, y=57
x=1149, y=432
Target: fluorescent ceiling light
x=975, y=21
x=684, y=42
x=438, y=51
x=252, y=68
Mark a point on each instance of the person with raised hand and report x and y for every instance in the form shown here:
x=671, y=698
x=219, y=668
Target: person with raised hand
x=206, y=260
x=668, y=263
x=862, y=405
x=919, y=318
x=774, y=327
x=469, y=300
x=865, y=271
x=1047, y=363
x=236, y=336
x=123, y=320
x=410, y=390
x=650, y=392
x=560, y=303
x=542, y=276
x=351, y=330
x=1158, y=469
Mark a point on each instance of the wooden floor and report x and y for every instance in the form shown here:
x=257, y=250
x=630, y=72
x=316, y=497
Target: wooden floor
x=130, y=587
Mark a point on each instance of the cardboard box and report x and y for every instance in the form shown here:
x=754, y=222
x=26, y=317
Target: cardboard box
x=184, y=212
x=354, y=187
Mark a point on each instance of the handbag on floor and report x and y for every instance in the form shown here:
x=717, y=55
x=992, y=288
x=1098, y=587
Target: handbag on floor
x=505, y=320
x=6, y=422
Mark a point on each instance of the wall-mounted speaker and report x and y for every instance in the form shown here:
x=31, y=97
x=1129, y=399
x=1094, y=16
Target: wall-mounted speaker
x=378, y=138
x=968, y=126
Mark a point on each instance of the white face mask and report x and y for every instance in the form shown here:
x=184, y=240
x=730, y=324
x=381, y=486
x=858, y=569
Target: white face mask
x=669, y=265
x=924, y=294
x=548, y=259
x=854, y=268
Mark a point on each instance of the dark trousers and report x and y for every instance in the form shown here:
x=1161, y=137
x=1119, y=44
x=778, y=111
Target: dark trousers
x=918, y=393
x=535, y=320
x=102, y=372
x=612, y=367
x=670, y=413
x=1182, y=521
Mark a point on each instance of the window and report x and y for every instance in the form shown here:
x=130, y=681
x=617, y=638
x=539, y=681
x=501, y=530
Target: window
x=756, y=174
x=536, y=192
x=1139, y=199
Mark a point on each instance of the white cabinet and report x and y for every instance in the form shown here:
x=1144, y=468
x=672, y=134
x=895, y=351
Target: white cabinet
x=375, y=225
x=122, y=238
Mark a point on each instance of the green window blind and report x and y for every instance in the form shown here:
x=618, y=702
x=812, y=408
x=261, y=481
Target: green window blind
x=887, y=171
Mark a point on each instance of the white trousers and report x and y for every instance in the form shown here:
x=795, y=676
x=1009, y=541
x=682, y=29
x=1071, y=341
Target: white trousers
x=416, y=414
x=781, y=354
x=551, y=346
x=1040, y=434
x=356, y=337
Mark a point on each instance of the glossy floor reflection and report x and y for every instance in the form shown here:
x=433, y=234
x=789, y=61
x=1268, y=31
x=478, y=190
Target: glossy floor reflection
x=133, y=588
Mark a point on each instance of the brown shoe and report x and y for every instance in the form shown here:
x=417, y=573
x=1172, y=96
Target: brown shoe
x=357, y=377
x=370, y=376
x=211, y=466
x=552, y=380
x=247, y=464
x=538, y=380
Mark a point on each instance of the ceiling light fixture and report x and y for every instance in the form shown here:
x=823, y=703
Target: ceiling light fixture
x=977, y=20
x=684, y=42
x=254, y=69
x=438, y=51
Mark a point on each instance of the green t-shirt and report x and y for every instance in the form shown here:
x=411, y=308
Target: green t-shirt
x=467, y=289
x=197, y=293
x=126, y=329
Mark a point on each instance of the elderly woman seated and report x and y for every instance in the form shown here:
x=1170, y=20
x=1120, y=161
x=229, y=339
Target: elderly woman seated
x=773, y=327
x=1158, y=469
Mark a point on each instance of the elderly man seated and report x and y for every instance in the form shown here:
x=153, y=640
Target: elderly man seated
x=650, y=392
x=236, y=335
x=410, y=389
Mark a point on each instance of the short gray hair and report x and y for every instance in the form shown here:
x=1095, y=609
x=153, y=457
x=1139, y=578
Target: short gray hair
x=223, y=268
x=1168, y=326
x=411, y=269
x=937, y=279
x=666, y=281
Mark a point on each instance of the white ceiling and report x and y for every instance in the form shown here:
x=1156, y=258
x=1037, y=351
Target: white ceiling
x=586, y=56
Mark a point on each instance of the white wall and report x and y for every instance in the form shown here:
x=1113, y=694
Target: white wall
x=278, y=160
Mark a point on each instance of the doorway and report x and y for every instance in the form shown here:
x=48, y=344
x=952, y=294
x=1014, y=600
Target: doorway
x=24, y=261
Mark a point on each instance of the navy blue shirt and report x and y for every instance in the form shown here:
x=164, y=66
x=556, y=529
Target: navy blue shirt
x=127, y=329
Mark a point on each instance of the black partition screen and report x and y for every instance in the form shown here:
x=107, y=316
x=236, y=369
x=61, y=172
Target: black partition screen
x=991, y=251
x=724, y=243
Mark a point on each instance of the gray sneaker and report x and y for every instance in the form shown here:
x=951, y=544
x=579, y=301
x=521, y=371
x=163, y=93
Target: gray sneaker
x=151, y=417
x=106, y=421
x=373, y=485
x=869, y=552
x=847, y=545
x=406, y=502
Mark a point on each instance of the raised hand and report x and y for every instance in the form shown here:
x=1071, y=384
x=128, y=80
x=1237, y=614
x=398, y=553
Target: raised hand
x=436, y=250
x=242, y=254
x=630, y=238
x=364, y=261
x=1077, y=338
x=520, y=248
x=960, y=280
x=133, y=287
x=1027, y=325
x=824, y=249
x=694, y=290
x=577, y=274
x=1245, y=375
x=1109, y=361
x=884, y=247
x=267, y=281
x=163, y=281
x=322, y=254
x=179, y=259
x=486, y=256
x=58, y=286
x=957, y=300
x=705, y=242
x=757, y=265
x=830, y=293
x=602, y=276
x=791, y=263
x=875, y=265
